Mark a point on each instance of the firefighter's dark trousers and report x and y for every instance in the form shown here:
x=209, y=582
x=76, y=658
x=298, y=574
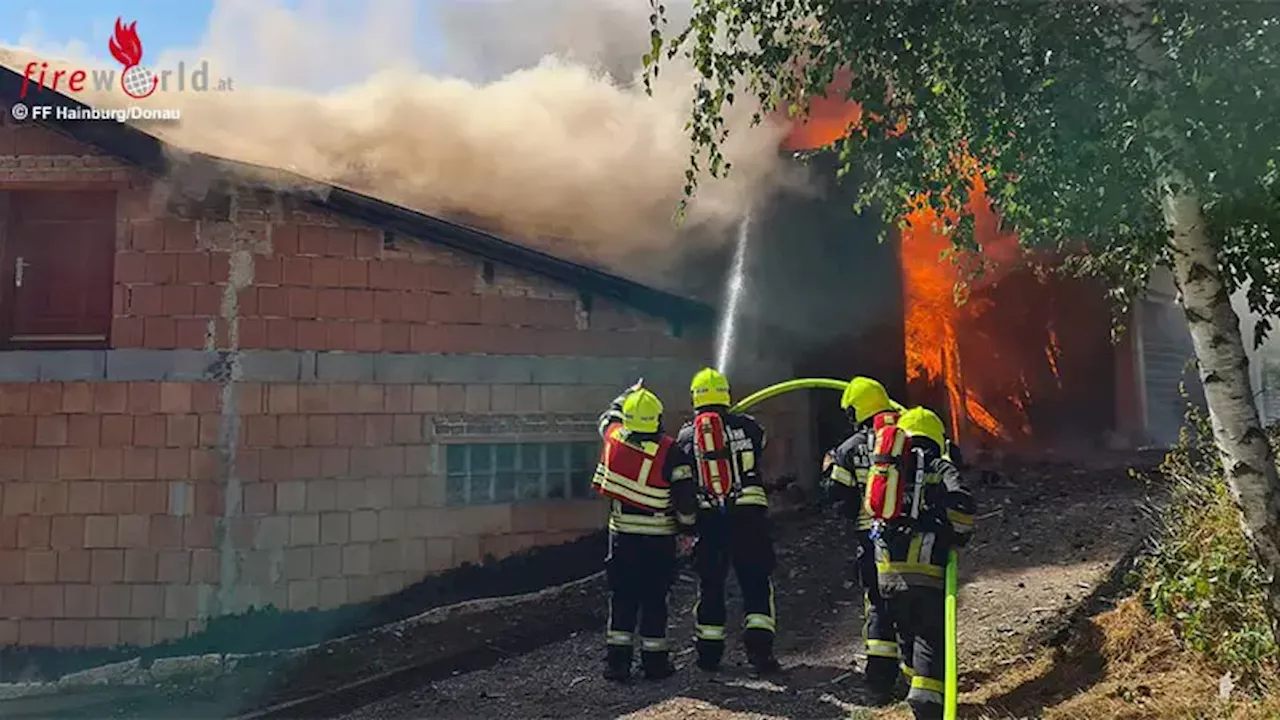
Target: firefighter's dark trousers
x=746, y=545
x=918, y=613
x=879, y=634
x=640, y=570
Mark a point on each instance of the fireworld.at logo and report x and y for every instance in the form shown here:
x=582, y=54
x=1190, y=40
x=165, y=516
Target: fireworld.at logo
x=136, y=80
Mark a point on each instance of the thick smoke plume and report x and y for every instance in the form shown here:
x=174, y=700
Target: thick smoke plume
x=531, y=123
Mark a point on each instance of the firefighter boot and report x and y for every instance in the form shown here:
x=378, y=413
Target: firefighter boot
x=710, y=653
x=759, y=646
x=617, y=663
x=656, y=664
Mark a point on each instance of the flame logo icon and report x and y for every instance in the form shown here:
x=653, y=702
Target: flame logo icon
x=136, y=81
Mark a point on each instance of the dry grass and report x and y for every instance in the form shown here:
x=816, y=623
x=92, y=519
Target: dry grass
x=1120, y=665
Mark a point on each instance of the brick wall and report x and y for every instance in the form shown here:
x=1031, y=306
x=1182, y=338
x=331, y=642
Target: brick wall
x=267, y=427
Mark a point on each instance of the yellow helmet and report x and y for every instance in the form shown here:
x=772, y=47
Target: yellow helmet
x=709, y=387
x=642, y=412
x=924, y=422
x=864, y=397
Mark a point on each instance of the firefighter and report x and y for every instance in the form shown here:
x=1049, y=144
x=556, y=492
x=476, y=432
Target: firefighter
x=867, y=404
x=649, y=482
x=935, y=516
x=733, y=523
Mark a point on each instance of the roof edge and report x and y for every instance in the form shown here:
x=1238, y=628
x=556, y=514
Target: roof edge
x=148, y=152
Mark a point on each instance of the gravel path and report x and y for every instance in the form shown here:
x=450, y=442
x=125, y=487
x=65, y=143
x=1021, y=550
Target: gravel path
x=1047, y=536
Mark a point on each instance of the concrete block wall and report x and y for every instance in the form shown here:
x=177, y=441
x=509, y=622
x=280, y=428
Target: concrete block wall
x=268, y=424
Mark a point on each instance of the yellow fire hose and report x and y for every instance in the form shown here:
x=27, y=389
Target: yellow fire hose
x=951, y=676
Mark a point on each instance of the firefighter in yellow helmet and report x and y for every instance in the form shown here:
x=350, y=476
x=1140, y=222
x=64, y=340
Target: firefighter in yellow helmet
x=733, y=523
x=921, y=512
x=649, y=482
x=844, y=473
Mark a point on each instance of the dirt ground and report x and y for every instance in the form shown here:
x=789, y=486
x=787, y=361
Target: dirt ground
x=1047, y=537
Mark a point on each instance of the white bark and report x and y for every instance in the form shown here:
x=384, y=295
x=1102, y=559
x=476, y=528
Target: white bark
x=1247, y=459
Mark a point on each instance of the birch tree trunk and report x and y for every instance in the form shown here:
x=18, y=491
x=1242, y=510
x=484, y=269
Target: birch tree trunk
x=1247, y=459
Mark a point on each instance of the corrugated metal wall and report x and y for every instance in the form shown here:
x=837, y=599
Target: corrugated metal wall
x=1166, y=351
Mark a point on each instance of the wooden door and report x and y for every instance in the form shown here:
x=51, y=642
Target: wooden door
x=59, y=255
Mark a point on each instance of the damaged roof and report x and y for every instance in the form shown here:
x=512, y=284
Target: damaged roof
x=152, y=155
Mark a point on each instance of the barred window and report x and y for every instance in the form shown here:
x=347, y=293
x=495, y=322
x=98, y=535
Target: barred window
x=518, y=472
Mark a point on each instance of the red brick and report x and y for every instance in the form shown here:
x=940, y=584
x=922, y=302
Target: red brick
x=360, y=304
x=148, y=431
x=273, y=302
x=341, y=335
x=182, y=431
x=159, y=333
x=383, y=274
x=99, y=532
x=331, y=303
x=144, y=397
x=131, y=267
x=117, y=498
x=253, y=333
x=45, y=398
x=312, y=335
x=193, y=267
x=51, y=499
x=297, y=271
x=146, y=235
x=117, y=431
x=13, y=398
x=35, y=632
x=74, y=566
x=407, y=429
x=126, y=332
x=410, y=276
x=387, y=304
x=205, y=397
x=208, y=300
x=109, y=397
x=260, y=499
x=113, y=600
x=368, y=243
x=77, y=397
x=394, y=337
x=450, y=278
x=83, y=430
x=133, y=531
x=140, y=565
x=179, y=300
x=340, y=242
x=41, y=464
x=166, y=531
x=139, y=463
x=415, y=307
x=292, y=431
x=179, y=234
x=354, y=273
x=261, y=431
x=282, y=334
x=301, y=303
x=40, y=566
x=150, y=498
x=75, y=463
x=175, y=397
x=219, y=267
x=191, y=333
x=51, y=431
x=203, y=465
x=312, y=240
x=33, y=533
x=84, y=498
x=175, y=567
x=145, y=300
x=398, y=398
x=327, y=272
x=366, y=337
x=102, y=633
x=322, y=430
x=250, y=398
x=161, y=268
x=198, y=532
x=137, y=633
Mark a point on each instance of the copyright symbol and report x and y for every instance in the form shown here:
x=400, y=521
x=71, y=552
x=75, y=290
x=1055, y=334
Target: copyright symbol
x=20, y=111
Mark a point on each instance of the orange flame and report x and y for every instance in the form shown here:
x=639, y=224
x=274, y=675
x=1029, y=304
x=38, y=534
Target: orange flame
x=939, y=331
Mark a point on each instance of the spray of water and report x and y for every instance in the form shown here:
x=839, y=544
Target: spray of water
x=733, y=296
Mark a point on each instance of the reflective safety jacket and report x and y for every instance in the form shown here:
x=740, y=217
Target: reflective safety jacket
x=914, y=553
x=844, y=473
x=647, y=478
x=747, y=442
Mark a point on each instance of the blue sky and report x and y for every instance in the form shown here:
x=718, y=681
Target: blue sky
x=181, y=24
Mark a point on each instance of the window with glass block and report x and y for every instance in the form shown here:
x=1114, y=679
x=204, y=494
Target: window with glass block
x=494, y=473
